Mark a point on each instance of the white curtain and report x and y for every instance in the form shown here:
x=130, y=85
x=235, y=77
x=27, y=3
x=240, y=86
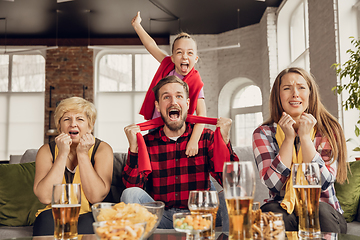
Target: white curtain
x=21, y=123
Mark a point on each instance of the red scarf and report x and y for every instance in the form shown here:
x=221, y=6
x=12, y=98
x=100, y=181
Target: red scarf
x=193, y=79
x=220, y=153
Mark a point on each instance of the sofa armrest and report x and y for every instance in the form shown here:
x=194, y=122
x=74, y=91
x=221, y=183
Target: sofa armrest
x=29, y=156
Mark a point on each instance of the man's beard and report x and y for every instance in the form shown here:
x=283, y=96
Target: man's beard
x=174, y=126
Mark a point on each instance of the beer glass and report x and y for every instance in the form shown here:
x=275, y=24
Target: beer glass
x=307, y=185
x=202, y=202
x=65, y=204
x=239, y=189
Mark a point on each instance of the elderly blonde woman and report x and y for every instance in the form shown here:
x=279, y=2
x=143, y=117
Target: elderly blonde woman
x=74, y=157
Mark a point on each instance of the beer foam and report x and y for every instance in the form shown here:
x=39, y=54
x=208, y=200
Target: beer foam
x=307, y=186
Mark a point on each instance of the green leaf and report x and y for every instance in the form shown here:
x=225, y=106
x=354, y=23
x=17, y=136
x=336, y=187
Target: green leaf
x=357, y=131
x=357, y=149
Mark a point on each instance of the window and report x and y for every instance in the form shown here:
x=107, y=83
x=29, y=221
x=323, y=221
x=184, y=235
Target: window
x=122, y=81
x=293, y=35
x=247, y=114
x=299, y=36
x=22, y=86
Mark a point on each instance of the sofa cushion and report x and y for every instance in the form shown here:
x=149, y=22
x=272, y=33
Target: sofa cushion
x=18, y=203
x=247, y=154
x=348, y=193
x=29, y=156
x=117, y=186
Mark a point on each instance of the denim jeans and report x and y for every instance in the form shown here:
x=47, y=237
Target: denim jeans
x=138, y=195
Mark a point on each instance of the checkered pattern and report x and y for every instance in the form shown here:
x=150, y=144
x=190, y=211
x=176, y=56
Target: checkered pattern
x=173, y=173
x=274, y=174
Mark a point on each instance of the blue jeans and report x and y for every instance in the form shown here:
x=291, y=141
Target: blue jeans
x=138, y=195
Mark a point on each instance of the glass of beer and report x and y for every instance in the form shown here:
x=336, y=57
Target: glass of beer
x=65, y=204
x=307, y=185
x=202, y=202
x=239, y=189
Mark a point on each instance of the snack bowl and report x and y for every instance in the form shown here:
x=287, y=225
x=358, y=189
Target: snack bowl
x=97, y=207
x=192, y=224
x=156, y=208
x=120, y=229
x=151, y=213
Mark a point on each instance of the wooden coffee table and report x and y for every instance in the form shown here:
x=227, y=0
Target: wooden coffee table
x=164, y=234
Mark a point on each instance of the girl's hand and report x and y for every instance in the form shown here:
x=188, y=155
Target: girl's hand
x=86, y=142
x=192, y=148
x=136, y=19
x=286, y=123
x=63, y=142
x=306, y=124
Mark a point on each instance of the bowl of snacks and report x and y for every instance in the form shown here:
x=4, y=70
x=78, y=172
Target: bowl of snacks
x=101, y=206
x=119, y=230
x=267, y=225
x=151, y=213
x=192, y=224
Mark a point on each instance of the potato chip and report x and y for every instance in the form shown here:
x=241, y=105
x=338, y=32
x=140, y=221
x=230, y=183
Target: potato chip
x=120, y=230
x=132, y=212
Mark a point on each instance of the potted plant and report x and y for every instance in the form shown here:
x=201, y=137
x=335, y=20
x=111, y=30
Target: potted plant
x=351, y=69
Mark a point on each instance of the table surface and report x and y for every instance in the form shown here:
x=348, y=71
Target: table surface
x=165, y=234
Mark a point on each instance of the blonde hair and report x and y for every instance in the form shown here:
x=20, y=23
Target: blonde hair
x=78, y=105
x=180, y=36
x=326, y=123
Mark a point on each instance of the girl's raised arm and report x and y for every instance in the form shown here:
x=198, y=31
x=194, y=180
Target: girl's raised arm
x=146, y=40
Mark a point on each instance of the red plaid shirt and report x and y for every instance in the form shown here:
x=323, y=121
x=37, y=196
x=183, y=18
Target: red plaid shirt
x=173, y=173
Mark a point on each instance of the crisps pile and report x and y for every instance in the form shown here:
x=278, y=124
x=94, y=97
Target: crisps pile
x=118, y=230
x=267, y=226
x=132, y=212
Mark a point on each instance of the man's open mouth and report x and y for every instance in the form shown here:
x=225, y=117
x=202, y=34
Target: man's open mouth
x=174, y=114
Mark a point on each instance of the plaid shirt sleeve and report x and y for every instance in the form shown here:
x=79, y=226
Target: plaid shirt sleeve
x=273, y=173
x=328, y=169
x=323, y=158
x=130, y=174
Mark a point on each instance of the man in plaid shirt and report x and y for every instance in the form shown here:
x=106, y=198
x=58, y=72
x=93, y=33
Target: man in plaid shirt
x=173, y=174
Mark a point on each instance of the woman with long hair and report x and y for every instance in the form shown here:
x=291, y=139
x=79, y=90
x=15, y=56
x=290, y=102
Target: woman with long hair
x=298, y=118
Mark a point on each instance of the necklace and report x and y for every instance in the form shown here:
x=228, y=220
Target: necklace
x=71, y=163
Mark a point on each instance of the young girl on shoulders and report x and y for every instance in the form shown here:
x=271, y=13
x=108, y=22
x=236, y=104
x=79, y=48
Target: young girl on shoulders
x=181, y=64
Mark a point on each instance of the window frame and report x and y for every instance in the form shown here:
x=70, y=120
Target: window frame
x=133, y=50
x=241, y=110
x=9, y=92
x=284, y=44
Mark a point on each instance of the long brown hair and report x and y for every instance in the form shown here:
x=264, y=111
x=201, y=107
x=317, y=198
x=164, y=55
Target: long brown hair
x=326, y=123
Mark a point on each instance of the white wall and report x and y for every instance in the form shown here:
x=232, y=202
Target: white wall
x=348, y=19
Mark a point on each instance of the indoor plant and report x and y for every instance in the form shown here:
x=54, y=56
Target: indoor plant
x=351, y=69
